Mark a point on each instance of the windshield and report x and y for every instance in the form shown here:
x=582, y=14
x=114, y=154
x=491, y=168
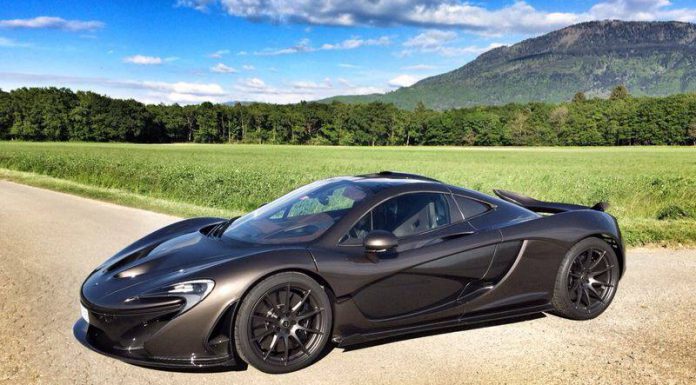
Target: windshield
x=299, y=216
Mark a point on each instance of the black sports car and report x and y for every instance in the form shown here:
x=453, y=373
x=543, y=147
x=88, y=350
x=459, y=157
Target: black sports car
x=345, y=261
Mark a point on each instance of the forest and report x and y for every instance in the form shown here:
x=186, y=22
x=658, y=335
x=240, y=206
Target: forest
x=60, y=114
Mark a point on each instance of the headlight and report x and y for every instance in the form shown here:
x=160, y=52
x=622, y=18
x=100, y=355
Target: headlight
x=191, y=291
x=200, y=287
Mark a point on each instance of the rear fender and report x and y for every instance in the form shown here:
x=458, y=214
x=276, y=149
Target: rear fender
x=568, y=228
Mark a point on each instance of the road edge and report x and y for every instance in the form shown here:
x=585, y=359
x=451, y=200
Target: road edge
x=111, y=195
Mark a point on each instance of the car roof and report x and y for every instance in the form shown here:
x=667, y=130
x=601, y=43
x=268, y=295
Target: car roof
x=397, y=177
x=389, y=181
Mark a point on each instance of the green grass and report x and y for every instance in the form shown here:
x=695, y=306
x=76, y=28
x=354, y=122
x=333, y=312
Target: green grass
x=652, y=190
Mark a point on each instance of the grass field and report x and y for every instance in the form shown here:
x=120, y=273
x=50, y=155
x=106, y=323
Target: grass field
x=652, y=190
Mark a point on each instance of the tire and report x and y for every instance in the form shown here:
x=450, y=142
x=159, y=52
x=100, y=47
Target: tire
x=276, y=338
x=586, y=281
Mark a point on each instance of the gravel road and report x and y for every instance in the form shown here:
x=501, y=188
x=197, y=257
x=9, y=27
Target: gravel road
x=50, y=241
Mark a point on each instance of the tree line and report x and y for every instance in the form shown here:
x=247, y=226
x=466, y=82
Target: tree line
x=59, y=114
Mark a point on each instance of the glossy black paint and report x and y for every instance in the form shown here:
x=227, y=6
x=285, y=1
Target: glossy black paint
x=501, y=263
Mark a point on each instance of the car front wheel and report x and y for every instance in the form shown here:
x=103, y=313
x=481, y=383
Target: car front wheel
x=283, y=323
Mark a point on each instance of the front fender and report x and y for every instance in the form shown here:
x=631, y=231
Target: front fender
x=233, y=279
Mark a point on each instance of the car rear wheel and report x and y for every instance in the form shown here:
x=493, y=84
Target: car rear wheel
x=284, y=323
x=586, y=281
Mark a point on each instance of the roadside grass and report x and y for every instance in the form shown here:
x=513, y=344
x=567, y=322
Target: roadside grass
x=651, y=190
x=113, y=195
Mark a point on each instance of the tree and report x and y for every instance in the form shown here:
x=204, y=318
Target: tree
x=39, y=113
x=208, y=130
x=691, y=133
x=169, y=121
x=619, y=92
x=59, y=114
x=417, y=124
x=6, y=115
x=579, y=97
x=520, y=132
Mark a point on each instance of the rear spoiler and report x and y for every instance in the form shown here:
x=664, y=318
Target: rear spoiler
x=545, y=207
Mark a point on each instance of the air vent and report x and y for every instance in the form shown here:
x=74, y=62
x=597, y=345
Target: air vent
x=208, y=229
x=131, y=258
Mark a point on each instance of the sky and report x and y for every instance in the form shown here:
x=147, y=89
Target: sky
x=278, y=51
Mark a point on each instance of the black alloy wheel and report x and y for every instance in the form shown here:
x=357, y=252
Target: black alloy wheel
x=587, y=280
x=284, y=323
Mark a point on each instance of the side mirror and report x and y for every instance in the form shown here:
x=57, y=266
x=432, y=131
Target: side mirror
x=378, y=241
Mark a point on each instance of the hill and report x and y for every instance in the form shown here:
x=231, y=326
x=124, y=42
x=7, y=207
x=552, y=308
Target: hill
x=650, y=58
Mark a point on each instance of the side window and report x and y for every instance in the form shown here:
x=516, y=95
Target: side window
x=405, y=215
x=470, y=208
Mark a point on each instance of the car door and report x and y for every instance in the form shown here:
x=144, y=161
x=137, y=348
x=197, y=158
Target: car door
x=438, y=257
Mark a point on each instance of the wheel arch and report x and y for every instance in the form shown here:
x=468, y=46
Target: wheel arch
x=312, y=274
x=615, y=244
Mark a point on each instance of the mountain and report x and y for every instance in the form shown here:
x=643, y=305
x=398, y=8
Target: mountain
x=650, y=58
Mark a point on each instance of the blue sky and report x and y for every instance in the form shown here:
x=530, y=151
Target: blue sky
x=188, y=51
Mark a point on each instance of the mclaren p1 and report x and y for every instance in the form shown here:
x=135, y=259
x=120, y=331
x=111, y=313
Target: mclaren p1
x=346, y=261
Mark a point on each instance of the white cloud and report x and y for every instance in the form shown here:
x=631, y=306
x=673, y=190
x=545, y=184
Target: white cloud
x=248, y=67
x=441, y=43
x=641, y=10
x=184, y=88
x=199, y=5
x=184, y=92
x=175, y=97
x=221, y=68
x=357, y=43
x=254, y=83
x=468, y=50
x=310, y=85
x=430, y=39
x=219, y=53
x=304, y=46
x=52, y=22
x=348, y=88
x=148, y=91
x=419, y=67
x=143, y=60
x=361, y=90
x=348, y=65
x=403, y=80
x=517, y=17
x=255, y=89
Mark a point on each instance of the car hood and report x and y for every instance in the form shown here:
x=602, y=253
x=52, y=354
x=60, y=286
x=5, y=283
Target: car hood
x=162, y=261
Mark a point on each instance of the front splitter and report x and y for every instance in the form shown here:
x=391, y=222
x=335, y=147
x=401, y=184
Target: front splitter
x=81, y=331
